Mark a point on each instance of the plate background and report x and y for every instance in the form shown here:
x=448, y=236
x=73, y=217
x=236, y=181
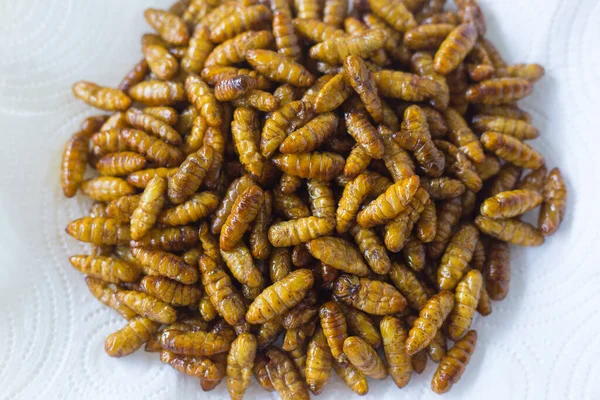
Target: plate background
x=541, y=343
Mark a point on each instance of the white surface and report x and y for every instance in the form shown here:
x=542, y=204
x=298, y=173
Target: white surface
x=541, y=343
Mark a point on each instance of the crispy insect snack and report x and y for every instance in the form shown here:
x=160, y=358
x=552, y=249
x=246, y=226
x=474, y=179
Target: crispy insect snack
x=370, y=296
x=364, y=358
x=555, y=203
x=130, y=338
x=151, y=203
x=317, y=171
x=454, y=363
x=339, y=254
x=280, y=297
x=223, y=295
x=430, y=320
x=394, y=336
x=510, y=230
x=457, y=257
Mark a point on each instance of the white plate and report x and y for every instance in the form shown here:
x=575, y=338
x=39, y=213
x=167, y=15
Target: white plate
x=541, y=343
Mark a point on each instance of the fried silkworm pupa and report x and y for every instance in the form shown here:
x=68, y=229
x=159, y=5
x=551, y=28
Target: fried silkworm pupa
x=510, y=204
x=322, y=202
x=372, y=249
x=352, y=377
x=154, y=149
x=169, y=26
x=389, y=204
x=394, y=13
x=245, y=130
x=240, y=361
x=198, y=51
x=335, y=50
x=530, y=72
x=355, y=192
x=454, y=363
x=457, y=257
x=510, y=230
x=99, y=231
x=107, y=296
x=497, y=270
x=130, y=338
x=394, y=336
x=466, y=298
x=285, y=377
x=290, y=206
x=200, y=95
x=361, y=80
x=106, y=188
x=166, y=264
x=405, y=86
x=365, y=134
x=335, y=329
x=242, y=20
x=279, y=124
x=136, y=75
x=489, y=168
x=428, y=36
x=370, y=296
x=235, y=87
x=240, y=263
x=148, y=306
x=236, y=188
x=430, y=320
x=142, y=120
x=462, y=137
x=508, y=126
x=206, y=309
x=316, y=31
x=280, y=297
x=334, y=12
x=233, y=51
x=499, y=91
x=269, y=332
x=101, y=97
x=140, y=179
x=409, y=285
x=357, y=162
x=260, y=246
x=414, y=136
x=279, y=68
x=223, y=295
x=168, y=239
x=198, y=343
x=397, y=161
x=243, y=212
x=448, y=215
x=318, y=362
x=286, y=40
x=158, y=93
x=322, y=166
x=74, y=162
x=479, y=256
x=301, y=230
x=554, y=206
x=197, y=207
x=455, y=48
x=339, y=254
x=289, y=184
x=427, y=223
x=161, y=62
x=310, y=136
x=151, y=203
x=364, y=358
x=186, y=181
x=170, y=291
